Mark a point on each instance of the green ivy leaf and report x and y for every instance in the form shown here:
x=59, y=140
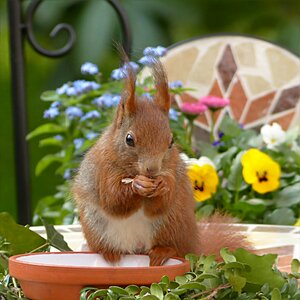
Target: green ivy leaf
x=45, y=129
x=21, y=239
x=55, y=238
x=264, y=264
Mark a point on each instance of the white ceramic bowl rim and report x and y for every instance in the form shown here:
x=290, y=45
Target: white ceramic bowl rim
x=88, y=260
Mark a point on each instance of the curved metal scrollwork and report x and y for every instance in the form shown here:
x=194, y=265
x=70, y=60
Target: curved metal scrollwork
x=71, y=33
x=32, y=40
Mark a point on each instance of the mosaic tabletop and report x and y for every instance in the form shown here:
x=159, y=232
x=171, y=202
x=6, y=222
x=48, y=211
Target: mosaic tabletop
x=261, y=79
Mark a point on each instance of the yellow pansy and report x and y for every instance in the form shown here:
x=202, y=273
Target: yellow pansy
x=297, y=223
x=204, y=180
x=261, y=171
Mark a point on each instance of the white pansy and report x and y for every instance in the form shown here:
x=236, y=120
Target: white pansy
x=203, y=160
x=273, y=135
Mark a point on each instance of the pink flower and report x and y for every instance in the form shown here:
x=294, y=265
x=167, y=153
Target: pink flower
x=194, y=108
x=214, y=102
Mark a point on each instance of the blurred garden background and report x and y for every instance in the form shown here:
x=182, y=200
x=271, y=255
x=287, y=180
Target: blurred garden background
x=153, y=22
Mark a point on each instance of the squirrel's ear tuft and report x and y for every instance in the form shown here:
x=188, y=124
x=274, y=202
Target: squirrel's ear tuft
x=162, y=96
x=127, y=105
x=128, y=95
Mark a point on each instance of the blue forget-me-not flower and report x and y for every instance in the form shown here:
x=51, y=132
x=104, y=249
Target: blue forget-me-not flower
x=78, y=143
x=51, y=113
x=89, y=68
x=73, y=112
x=93, y=114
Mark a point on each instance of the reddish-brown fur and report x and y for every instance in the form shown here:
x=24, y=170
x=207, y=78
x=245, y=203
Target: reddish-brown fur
x=160, y=187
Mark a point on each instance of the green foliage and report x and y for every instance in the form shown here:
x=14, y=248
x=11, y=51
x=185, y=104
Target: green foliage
x=280, y=206
x=17, y=239
x=242, y=275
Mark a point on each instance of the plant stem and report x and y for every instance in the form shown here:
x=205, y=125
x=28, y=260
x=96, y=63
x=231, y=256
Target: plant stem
x=212, y=291
x=212, y=128
x=41, y=247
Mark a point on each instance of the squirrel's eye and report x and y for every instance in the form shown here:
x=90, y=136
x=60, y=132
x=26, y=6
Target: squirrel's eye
x=129, y=140
x=171, y=143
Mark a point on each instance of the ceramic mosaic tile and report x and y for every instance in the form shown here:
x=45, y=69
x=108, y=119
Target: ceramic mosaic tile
x=262, y=80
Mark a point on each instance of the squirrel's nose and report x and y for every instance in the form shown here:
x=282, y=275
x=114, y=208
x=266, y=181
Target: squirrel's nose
x=152, y=171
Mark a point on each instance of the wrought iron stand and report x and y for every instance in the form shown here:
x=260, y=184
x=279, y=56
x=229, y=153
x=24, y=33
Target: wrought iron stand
x=21, y=28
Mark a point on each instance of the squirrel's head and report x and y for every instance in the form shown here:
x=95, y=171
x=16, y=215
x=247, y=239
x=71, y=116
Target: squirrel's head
x=143, y=139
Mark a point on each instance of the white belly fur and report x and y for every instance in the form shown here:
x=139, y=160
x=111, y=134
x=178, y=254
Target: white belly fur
x=128, y=235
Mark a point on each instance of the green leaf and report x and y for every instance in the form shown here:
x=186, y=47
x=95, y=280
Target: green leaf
x=45, y=128
x=276, y=294
x=235, y=178
x=157, y=291
x=50, y=142
x=288, y=197
x=227, y=256
x=208, y=263
x=144, y=290
x=295, y=265
x=165, y=279
x=46, y=161
x=193, y=286
x=171, y=296
x=21, y=239
x=280, y=216
x=50, y=96
x=192, y=258
x=118, y=290
x=237, y=282
x=236, y=265
x=3, y=262
x=150, y=297
x=204, y=276
x=55, y=238
x=181, y=279
x=178, y=291
x=132, y=289
x=230, y=127
x=261, y=268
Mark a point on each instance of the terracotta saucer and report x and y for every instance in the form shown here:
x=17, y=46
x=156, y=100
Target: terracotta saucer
x=61, y=275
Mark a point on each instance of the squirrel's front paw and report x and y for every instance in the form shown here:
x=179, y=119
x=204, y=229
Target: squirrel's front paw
x=161, y=187
x=159, y=255
x=143, y=185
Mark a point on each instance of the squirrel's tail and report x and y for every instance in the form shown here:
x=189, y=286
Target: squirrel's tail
x=218, y=231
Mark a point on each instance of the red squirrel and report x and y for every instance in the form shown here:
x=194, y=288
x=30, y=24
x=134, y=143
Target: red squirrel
x=154, y=213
